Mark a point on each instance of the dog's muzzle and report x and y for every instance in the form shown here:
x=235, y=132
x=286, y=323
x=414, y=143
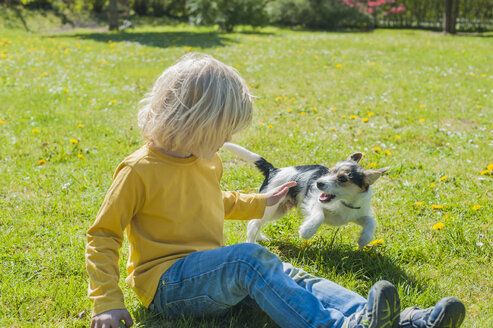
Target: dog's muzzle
x=325, y=198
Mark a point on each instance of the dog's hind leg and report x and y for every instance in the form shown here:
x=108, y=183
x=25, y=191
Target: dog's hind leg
x=369, y=225
x=253, y=228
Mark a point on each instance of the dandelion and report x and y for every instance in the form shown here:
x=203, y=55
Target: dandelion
x=376, y=149
x=353, y=117
x=2, y=122
x=44, y=74
x=293, y=100
x=388, y=153
x=278, y=98
x=34, y=131
x=74, y=141
x=65, y=90
x=476, y=207
x=421, y=120
x=302, y=113
x=113, y=101
x=418, y=204
x=365, y=119
x=269, y=126
x=479, y=106
x=370, y=114
x=437, y=207
x=80, y=126
x=376, y=242
x=318, y=118
x=490, y=167
x=42, y=162
x=443, y=178
x=397, y=137
x=314, y=109
x=80, y=156
x=261, y=123
x=432, y=185
x=290, y=110
x=339, y=65
x=334, y=109
x=421, y=106
x=438, y=226
x=372, y=165
x=343, y=116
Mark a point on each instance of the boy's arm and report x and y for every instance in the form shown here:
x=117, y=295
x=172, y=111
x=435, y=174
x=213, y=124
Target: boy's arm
x=104, y=239
x=239, y=206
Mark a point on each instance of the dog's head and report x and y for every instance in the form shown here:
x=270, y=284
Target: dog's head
x=347, y=179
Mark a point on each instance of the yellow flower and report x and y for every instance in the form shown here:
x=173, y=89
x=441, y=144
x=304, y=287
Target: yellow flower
x=290, y=110
x=353, y=117
x=485, y=172
x=113, y=101
x=376, y=242
x=479, y=106
x=334, y=109
x=388, y=153
x=443, y=178
x=34, y=131
x=65, y=90
x=318, y=118
x=80, y=156
x=2, y=122
x=314, y=109
x=437, y=207
x=80, y=126
x=372, y=165
x=397, y=137
x=339, y=65
x=44, y=74
x=278, y=98
x=376, y=149
x=422, y=106
x=343, y=116
x=490, y=167
x=432, y=185
x=269, y=126
x=438, y=226
x=476, y=207
x=364, y=119
x=74, y=141
x=418, y=203
x=370, y=114
x=421, y=120
x=42, y=162
x=302, y=113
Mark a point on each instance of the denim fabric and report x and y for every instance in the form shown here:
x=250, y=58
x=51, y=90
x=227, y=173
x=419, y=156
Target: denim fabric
x=211, y=282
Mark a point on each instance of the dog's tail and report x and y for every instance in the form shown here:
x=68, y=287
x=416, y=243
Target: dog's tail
x=261, y=163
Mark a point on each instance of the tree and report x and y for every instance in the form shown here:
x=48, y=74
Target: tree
x=450, y=16
x=113, y=15
x=374, y=7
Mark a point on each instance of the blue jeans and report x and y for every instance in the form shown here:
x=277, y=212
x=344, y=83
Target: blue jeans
x=211, y=282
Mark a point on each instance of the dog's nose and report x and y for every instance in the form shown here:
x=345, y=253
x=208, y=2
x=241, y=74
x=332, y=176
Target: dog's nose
x=321, y=185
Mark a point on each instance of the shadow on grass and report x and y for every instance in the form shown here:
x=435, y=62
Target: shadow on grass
x=201, y=40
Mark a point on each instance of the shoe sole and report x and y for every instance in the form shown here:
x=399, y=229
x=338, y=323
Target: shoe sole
x=452, y=314
x=386, y=306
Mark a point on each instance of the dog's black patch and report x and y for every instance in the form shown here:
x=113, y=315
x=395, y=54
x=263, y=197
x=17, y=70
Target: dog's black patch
x=355, y=173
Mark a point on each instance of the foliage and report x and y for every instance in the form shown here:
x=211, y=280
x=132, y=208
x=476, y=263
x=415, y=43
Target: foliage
x=315, y=14
x=227, y=13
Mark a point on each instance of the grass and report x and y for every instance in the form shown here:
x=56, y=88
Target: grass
x=416, y=101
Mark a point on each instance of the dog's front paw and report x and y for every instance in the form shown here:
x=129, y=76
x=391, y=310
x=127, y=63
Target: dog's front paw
x=364, y=240
x=307, y=231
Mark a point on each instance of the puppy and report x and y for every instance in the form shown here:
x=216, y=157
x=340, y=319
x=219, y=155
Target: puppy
x=334, y=196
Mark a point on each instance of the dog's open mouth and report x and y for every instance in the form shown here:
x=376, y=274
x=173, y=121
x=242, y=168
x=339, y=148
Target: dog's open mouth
x=325, y=198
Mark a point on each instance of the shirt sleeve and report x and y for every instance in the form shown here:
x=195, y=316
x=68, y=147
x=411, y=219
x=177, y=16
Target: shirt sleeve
x=104, y=239
x=238, y=206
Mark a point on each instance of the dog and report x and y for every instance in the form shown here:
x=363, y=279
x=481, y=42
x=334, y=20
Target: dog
x=334, y=196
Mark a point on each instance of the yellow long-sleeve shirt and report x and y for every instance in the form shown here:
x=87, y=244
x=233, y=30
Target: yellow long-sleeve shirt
x=169, y=208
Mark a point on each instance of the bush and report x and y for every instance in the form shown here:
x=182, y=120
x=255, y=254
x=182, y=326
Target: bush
x=326, y=14
x=227, y=13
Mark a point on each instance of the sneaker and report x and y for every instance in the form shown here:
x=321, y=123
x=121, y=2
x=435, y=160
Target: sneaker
x=381, y=311
x=449, y=312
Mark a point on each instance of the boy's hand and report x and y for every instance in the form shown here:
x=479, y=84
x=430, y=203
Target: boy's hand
x=112, y=319
x=275, y=195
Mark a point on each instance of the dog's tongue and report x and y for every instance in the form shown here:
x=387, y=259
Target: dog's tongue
x=325, y=198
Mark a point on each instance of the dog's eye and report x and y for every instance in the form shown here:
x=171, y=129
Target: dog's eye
x=342, y=178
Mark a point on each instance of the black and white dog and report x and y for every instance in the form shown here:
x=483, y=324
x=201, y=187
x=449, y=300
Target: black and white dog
x=333, y=196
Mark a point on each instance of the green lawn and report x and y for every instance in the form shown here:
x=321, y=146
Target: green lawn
x=416, y=101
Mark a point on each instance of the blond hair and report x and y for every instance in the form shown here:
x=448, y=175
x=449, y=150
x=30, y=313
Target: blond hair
x=195, y=105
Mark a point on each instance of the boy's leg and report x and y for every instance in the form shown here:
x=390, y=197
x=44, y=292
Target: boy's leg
x=330, y=294
x=210, y=282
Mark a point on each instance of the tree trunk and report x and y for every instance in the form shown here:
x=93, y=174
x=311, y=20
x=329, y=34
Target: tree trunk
x=450, y=16
x=113, y=15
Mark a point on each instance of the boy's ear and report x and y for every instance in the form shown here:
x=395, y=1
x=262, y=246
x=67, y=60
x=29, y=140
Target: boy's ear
x=372, y=175
x=356, y=157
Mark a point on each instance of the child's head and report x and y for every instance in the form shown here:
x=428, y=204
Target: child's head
x=194, y=106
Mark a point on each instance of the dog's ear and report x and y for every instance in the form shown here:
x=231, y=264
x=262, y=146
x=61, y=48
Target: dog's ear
x=372, y=175
x=356, y=157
